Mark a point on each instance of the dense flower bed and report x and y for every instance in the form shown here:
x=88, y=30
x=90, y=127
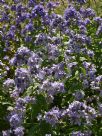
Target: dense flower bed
x=50, y=69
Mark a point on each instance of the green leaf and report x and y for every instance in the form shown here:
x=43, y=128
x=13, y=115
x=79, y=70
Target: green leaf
x=40, y=105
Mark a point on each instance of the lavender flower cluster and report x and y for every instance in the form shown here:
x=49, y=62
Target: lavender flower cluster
x=51, y=68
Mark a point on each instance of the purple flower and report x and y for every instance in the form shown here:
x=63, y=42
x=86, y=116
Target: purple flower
x=85, y=83
x=91, y=74
x=72, y=65
x=6, y=58
x=13, y=61
x=41, y=39
x=6, y=133
x=34, y=63
x=6, y=7
x=53, y=88
x=83, y=29
x=23, y=32
x=15, y=94
x=2, y=1
x=58, y=70
x=96, y=83
x=23, y=51
x=29, y=99
x=19, y=7
x=51, y=5
x=56, y=87
x=41, y=74
x=38, y=10
x=28, y=39
x=79, y=133
x=90, y=53
x=81, y=1
x=57, y=21
x=53, y=52
x=87, y=12
x=99, y=30
x=33, y=60
x=100, y=109
x=22, y=79
x=13, y=8
x=46, y=85
x=46, y=20
x=57, y=40
x=99, y=78
x=21, y=56
x=90, y=12
x=31, y=3
x=16, y=1
x=78, y=111
x=20, y=104
x=79, y=95
x=26, y=15
x=9, y=83
x=29, y=27
x=10, y=35
x=70, y=12
x=5, y=17
x=98, y=20
x=52, y=116
x=87, y=21
x=19, y=131
x=15, y=120
x=86, y=64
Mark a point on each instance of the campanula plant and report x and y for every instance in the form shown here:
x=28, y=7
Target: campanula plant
x=50, y=69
